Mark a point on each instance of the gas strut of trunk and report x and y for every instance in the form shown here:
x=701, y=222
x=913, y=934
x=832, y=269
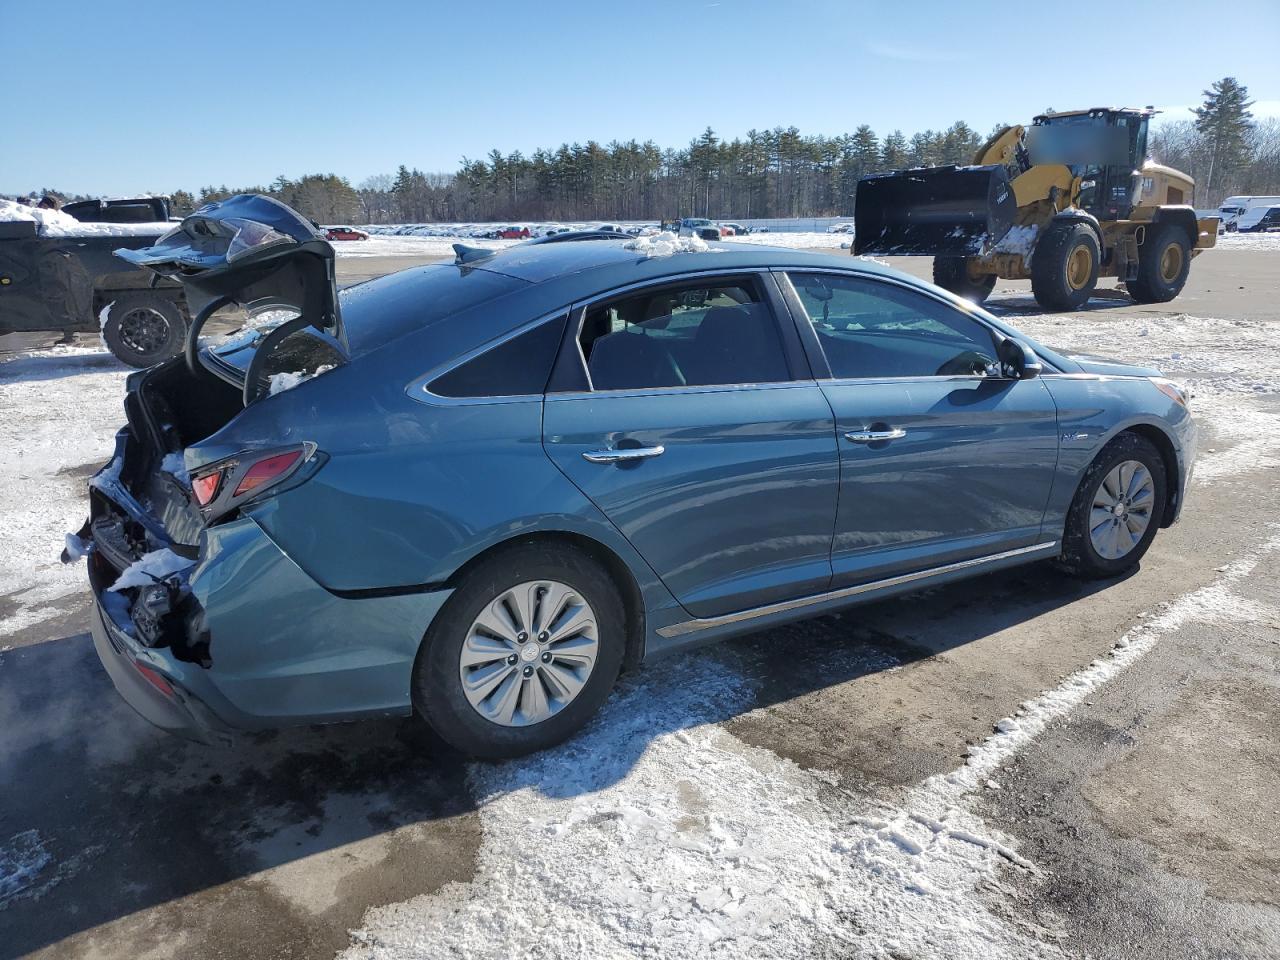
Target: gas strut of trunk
x=192, y=347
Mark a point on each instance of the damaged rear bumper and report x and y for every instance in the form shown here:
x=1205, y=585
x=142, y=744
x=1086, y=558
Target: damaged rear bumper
x=257, y=643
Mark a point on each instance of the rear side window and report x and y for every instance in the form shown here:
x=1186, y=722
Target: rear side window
x=700, y=334
x=378, y=311
x=516, y=367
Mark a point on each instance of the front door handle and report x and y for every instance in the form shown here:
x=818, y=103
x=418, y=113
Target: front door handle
x=875, y=436
x=623, y=455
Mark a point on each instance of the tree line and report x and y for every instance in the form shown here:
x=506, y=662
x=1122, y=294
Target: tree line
x=768, y=173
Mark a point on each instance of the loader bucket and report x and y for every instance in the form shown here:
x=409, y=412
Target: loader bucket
x=933, y=211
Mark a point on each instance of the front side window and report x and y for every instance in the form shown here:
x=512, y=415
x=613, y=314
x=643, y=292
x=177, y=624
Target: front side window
x=869, y=329
x=701, y=334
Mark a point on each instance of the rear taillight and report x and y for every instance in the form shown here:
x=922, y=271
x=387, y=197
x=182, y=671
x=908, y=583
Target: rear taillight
x=221, y=487
x=206, y=488
x=267, y=471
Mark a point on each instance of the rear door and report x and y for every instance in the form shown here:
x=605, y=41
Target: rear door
x=942, y=459
x=699, y=432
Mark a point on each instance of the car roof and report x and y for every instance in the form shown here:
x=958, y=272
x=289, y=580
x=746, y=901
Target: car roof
x=602, y=264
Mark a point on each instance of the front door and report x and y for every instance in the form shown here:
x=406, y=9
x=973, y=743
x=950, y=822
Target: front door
x=942, y=459
x=701, y=443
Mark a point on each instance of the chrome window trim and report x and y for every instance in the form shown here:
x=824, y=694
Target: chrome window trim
x=699, y=624
x=420, y=388
x=580, y=308
x=970, y=310
x=694, y=388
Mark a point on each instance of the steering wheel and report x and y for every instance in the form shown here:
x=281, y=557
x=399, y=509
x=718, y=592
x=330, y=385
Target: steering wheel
x=965, y=364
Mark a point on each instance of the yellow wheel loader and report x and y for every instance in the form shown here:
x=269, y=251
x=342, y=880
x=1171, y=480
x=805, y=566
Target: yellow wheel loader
x=1062, y=203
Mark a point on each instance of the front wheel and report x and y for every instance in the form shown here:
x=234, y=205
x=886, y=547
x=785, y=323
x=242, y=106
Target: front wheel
x=523, y=654
x=1064, y=267
x=1116, y=510
x=143, y=329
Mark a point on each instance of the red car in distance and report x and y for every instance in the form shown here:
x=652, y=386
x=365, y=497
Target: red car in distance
x=344, y=233
x=514, y=233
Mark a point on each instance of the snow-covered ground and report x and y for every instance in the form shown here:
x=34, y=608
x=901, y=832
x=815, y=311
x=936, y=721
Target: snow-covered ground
x=1249, y=241
x=62, y=408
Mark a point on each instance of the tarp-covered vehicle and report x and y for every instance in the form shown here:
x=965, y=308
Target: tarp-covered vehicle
x=59, y=274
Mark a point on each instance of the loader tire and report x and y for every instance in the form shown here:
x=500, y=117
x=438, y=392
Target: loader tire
x=952, y=273
x=1163, y=263
x=1064, y=267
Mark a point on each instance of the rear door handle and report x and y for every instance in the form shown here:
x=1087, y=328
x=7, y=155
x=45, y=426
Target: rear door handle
x=623, y=455
x=873, y=436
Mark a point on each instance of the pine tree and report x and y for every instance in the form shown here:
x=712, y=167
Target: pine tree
x=893, y=155
x=1225, y=123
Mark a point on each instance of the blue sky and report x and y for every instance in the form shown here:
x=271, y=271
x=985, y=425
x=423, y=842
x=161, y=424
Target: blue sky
x=113, y=97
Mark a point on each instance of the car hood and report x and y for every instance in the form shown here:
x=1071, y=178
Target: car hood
x=1109, y=368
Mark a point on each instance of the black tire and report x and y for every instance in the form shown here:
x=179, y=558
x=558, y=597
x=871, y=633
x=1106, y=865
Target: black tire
x=1058, y=278
x=1079, y=557
x=1164, y=260
x=437, y=686
x=952, y=273
x=144, y=329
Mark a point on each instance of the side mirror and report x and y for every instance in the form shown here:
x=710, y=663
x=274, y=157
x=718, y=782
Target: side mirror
x=1019, y=362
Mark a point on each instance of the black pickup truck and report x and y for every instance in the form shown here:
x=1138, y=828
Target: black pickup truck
x=67, y=280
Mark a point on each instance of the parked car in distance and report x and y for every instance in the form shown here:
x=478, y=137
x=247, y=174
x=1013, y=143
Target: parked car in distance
x=345, y=233
x=498, y=482
x=1259, y=220
x=1233, y=208
x=689, y=226
x=840, y=228
x=609, y=228
x=736, y=229
x=514, y=233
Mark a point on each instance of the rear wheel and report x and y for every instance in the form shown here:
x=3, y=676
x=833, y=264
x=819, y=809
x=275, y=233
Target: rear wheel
x=523, y=654
x=143, y=329
x=1164, y=260
x=1116, y=510
x=957, y=274
x=1064, y=267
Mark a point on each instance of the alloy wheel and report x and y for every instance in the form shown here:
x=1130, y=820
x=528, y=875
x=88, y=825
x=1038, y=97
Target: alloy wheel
x=1121, y=510
x=529, y=653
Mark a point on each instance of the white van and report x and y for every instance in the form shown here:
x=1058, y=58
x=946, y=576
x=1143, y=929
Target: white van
x=1259, y=220
x=1233, y=207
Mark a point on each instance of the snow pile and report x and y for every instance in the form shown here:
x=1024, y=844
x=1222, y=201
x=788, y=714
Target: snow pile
x=666, y=244
x=176, y=466
x=1019, y=240
x=55, y=223
x=153, y=567
x=104, y=315
x=75, y=548
x=280, y=382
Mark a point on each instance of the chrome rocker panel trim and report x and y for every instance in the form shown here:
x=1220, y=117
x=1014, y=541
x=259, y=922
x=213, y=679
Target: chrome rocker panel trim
x=694, y=626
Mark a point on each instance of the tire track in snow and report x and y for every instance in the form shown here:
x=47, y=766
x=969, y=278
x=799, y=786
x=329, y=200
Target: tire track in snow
x=688, y=842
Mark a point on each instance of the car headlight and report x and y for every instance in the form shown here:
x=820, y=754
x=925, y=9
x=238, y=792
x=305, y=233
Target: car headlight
x=1173, y=390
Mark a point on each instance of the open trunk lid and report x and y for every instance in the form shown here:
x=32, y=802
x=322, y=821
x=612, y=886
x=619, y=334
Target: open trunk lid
x=256, y=253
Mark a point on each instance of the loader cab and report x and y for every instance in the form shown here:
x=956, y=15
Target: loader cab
x=1105, y=148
